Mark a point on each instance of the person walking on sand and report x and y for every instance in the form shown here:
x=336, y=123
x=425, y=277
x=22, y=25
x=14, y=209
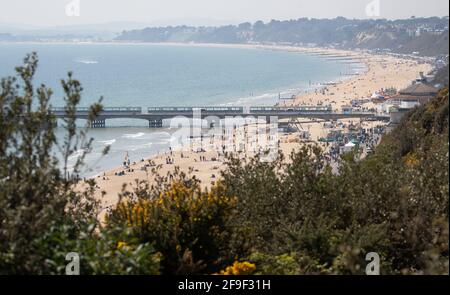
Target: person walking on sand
x=128, y=159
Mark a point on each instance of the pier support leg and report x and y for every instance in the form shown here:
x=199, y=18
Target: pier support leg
x=155, y=123
x=97, y=123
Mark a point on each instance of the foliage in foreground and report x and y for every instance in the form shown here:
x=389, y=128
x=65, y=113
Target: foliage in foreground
x=191, y=228
x=42, y=218
x=394, y=203
x=283, y=217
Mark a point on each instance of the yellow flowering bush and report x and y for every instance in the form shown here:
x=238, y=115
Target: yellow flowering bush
x=239, y=268
x=180, y=218
x=411, y=160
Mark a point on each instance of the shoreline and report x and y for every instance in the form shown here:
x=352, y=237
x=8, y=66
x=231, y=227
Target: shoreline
x=380, y=71
x=272, y=96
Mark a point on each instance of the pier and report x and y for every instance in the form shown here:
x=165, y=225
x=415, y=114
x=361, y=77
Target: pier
x=156, y=115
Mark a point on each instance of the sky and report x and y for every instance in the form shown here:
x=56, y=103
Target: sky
x=206, y=12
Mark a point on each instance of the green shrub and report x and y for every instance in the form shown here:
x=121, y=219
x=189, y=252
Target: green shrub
x=285, y=264
x=42, y=216
x=190, y=227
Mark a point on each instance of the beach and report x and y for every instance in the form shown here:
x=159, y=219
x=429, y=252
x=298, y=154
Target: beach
x=381, y=72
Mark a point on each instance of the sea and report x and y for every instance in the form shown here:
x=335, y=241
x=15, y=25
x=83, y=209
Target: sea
x=146, y=75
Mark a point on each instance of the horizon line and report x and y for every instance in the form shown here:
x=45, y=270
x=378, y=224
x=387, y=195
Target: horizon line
x=224, y=22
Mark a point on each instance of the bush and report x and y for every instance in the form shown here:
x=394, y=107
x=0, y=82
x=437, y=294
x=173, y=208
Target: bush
x=190, y=227
x=100, y=252
x=393, y=202
x=239, y=269
x=42, y=218
x=285, y=264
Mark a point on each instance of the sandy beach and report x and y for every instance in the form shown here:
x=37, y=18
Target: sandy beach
x=381, y=72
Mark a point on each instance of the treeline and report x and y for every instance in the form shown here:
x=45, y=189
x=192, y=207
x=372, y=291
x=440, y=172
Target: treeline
x=282, y=217
x=428, y=36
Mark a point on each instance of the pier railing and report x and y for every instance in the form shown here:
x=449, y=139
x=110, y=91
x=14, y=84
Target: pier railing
x=240, y=109
x=155, y=115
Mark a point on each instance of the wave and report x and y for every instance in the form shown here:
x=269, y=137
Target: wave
x=76, y=154
x=87, y=62
x=270, y=98
x=108, y=142
x=162, y=142
x=134, y=148
x=160, y=134
x=134, y=135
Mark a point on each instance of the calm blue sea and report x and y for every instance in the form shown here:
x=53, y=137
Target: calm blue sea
x=163, y=75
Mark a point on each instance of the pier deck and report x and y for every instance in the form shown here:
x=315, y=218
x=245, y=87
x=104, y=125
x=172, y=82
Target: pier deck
x=155, y=115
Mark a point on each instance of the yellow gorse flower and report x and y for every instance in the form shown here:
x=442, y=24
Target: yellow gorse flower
x=239, y=268
x=198, y=207
x=121, y=245
x=411, y=160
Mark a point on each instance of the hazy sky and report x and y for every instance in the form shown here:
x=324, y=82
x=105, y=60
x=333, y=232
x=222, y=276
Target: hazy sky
x=53, y=12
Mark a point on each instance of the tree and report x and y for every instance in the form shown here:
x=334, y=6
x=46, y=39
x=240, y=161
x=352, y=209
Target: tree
x=42, y=216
